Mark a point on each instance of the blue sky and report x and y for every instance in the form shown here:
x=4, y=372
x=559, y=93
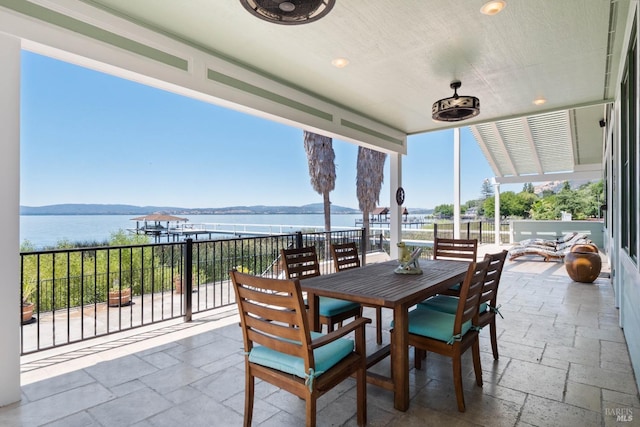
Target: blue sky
x=87, y=137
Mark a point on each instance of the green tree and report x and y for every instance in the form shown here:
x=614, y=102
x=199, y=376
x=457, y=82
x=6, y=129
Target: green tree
x=528, y=188
x=445, y=211
x=486, y=191
x=570, y=201
x=545, y=208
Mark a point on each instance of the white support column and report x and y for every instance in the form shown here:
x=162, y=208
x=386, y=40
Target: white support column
x=456, y=183
x=395, y=163
x=496, y=199
x=10, y=218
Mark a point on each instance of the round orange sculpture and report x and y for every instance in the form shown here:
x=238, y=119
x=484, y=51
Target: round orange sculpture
x=583, y=263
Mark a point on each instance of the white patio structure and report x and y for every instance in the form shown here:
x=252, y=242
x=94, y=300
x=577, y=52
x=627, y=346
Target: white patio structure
x=557, y=82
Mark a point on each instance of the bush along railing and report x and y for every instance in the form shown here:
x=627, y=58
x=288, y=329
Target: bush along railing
x=83, y=293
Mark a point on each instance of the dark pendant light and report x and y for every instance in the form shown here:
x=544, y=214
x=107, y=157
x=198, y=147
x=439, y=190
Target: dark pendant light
x=457, y=107
x=289, y=12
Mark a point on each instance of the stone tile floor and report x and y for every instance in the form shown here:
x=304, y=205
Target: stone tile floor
x=563, y=362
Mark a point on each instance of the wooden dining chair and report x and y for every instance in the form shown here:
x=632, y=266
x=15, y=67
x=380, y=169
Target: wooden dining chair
x=280, y=348
x=488, y=298
x=345, y=256
x=455, y=250
x=302, y=263
x=452, y=334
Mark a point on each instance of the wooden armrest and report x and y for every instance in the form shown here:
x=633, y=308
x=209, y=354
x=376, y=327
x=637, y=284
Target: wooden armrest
x=340, y=332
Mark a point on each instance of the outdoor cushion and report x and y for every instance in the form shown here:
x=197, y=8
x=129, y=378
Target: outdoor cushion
x=434, y=324
x=331, y=306
x=446, y=304
x=325, y=357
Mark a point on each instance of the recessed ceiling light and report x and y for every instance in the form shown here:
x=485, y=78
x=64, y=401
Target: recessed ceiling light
x=340, y=62
x=493, y=7
x=539, y=101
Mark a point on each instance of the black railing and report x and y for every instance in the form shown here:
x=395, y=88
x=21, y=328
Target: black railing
x=423, y=238
x=484, y=231
x=83, y=293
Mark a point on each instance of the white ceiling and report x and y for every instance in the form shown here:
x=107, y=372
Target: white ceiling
x=404, y=53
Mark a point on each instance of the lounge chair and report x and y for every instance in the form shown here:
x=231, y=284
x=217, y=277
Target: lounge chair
x=548, y=249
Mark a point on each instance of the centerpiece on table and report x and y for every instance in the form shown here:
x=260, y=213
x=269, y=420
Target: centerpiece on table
x=408, y=260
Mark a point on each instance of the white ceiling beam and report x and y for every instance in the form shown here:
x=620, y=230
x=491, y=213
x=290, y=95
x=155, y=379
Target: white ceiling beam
x=530, y=113
x=560, y=176
x=532, y=146
x=487, y=153
x=503, y=148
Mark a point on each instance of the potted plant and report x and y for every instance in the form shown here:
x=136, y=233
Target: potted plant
x=177, y=284
x=119, y=296
x=28, y=289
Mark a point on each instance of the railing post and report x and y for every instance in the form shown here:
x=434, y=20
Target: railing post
x=435, y=231
x=363, y=243
x=188, y=271
x=299, y=243
x=480, y=236
x=468, y=230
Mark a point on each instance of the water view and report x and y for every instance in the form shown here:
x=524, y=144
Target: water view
x=47, y=230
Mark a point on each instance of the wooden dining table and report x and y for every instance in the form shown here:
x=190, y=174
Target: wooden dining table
x=378, y=285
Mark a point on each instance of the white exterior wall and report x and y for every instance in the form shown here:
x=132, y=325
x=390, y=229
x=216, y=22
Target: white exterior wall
x=10, y=219
x=625, y=271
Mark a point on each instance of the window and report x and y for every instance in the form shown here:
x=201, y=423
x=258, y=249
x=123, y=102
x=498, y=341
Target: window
x=628, y=153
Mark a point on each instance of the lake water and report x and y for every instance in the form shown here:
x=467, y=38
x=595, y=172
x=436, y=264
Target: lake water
x=47, y=230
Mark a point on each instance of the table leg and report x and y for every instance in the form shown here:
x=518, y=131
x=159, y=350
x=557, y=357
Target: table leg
x=400, y=358
x=314, y=311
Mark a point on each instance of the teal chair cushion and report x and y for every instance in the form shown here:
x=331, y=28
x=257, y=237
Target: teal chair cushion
x=434, y=324
x=325, y=357
x=446, y=304
x=456, y=287
x=331, y=306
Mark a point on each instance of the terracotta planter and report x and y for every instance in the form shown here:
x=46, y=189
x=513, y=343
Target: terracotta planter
x=177, y=285
x=116, y=298
x=583, y=267
x=584, y=247
x=27, y=311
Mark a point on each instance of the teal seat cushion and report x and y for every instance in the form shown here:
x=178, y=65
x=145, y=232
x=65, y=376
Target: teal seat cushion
x=325, y=357
x=434, y=324
x=456, y=287
x=332, y=306
x=446, y=304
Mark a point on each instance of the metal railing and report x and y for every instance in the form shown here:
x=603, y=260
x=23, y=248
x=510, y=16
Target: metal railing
x=484, y=231
x=481, y=230
x=84, y=293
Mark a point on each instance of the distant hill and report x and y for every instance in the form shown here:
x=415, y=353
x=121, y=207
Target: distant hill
x=98, y=209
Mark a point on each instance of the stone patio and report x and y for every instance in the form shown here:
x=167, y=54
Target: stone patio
x=563, y=362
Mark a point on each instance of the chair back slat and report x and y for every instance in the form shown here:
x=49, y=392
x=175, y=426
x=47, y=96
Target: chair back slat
x=276, y=298
x=345, y=256
x=292, y=347
x=492, y=279
x=272, y=311
x=470, y=295
x=270, y=314
x=455, y=249
x=300, y=263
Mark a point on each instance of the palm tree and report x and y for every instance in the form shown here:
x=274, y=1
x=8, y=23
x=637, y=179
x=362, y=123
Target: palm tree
x=369, y=180
x=322, y=169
